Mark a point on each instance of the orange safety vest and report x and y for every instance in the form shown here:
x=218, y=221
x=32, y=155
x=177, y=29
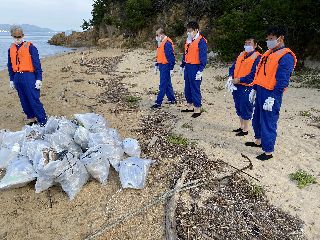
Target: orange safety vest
x=161, y=56
x=21, y=59
x=192, y=51
x=267, y=68
x=244, y=65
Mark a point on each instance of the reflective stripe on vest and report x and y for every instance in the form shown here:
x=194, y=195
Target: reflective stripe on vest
x=192, y=51
x=161, y=56
x=21, y=58
x=267, y=69
x=244, y=65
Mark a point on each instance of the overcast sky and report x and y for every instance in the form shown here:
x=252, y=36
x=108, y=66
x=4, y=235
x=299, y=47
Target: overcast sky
x=54, y=14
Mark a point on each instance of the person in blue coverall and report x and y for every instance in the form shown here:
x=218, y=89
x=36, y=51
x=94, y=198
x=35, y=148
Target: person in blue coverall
x=194, y=61
x=271, y=80
x=26, y=76
x=246, y=64
x=165, y=64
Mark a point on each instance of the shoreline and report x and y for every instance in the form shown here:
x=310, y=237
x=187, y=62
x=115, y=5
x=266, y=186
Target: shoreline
x=80, y=89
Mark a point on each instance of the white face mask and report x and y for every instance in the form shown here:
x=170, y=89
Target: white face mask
x=248, y=48
x=17, y=41
x=271, y=44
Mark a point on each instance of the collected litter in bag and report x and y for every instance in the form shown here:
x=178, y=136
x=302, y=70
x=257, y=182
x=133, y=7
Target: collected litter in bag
x=73, y=178
x=33, y=147
x=91, y=121
x=8, y=154
x=51, y=165
x=97, y=163
x=67, y=127
x=81, y=137
x=131, y=147
x=34, y=132
x=59, y=140
x=108, y=136
x=133, y=172
x=52, y=125
x=10, y=138
x=19, y=173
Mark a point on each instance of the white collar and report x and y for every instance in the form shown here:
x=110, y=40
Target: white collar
x=198, y=35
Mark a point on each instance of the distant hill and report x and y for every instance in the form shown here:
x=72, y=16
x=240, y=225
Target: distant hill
x=26, y=28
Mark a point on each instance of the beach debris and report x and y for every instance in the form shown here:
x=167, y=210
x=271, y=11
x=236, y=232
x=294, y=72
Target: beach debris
x=67, y=152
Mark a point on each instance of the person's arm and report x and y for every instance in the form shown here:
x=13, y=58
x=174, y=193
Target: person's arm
x=249, y=78
x=36, y=62
x=231, y=70
x=10, y=70
x=285, y=69
x=168, y=51
x=203, y=49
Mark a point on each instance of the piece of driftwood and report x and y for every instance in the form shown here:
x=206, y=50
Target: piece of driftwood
x=171, y=225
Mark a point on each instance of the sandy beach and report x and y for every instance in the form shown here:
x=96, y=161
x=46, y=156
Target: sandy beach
x=69, y=88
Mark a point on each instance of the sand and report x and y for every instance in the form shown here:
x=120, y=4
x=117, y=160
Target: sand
x=27, y=215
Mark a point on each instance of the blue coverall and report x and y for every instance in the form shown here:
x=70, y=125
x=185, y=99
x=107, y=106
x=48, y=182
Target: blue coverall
x=25, y=86
x=192, y=90
x=243, y=106
x=265, y=122
x=165, y=87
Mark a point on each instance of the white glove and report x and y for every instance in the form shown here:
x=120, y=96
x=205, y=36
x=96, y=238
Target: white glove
x=252, y=96
x=156, y=68
x=12, y=85
x=181, y=71
x=38, y=84
x=199, y=76
x=171, y=73
x=230, y=86
x=268, y=104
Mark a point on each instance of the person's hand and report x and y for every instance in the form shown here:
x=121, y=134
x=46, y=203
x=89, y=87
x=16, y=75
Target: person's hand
x=236, y=80
x=12, y=85
x=252, y=96
x=199, y=76
x=171, y=73
x=38, y=84
x=181, y=71
x=230, y=86
x=268, y=104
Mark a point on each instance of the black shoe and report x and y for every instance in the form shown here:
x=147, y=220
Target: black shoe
x=252, y=144
x=264, y=157
x=195, y=115
x=237, y=130
x=32, y=123
x=242, y=133
x=155, y=106
x=173, y=102
x=187, y=110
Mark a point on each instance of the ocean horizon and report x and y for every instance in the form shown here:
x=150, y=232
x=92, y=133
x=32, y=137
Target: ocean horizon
x=40, y=40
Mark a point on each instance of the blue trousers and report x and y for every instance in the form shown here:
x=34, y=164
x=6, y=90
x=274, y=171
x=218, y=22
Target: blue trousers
x=265, y=122
x=165, y=87
x=192, y=90
x=29, y=96
x=242, y=104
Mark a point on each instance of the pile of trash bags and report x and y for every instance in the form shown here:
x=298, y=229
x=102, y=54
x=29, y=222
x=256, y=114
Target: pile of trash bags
x=68, y=153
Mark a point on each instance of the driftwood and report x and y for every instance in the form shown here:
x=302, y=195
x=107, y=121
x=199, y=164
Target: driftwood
x=171, y=225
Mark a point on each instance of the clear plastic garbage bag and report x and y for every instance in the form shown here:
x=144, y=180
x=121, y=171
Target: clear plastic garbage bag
x=52, y=125
x=81, y=137
x=131, y=147
x=133, y=172
x=34, y=132
x=8, y=154
x=19, y=173
x=10, y=138
x=92, y=122
x=67, y=127
x=108, y=136
x=97, y=163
